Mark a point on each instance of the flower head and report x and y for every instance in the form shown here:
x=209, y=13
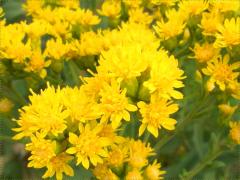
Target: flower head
x=235, y=131
x=156, y=115
x=88, y=146
x=221, y=73
x=59, y=165
x=228, y=33
x=153, y=171
x=165, y=76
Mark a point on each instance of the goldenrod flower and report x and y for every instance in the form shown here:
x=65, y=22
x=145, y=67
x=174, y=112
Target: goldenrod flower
x=228, y=33
x=124, y=62
x=192, y=7
x=45, y=113
x=224, y=6
x=210, y=22
x=153, y=172
x=205, y=52
x=114, y=104
x=134, y=175
x=88, y=146
x=59, y=165
x=81, y=107
x=133, y=3
x=139, y=16
x=165, y=76
x=138, y=153
x=221, y=72
x=101, y=171
x=86, y=17
x=42, y=151
x=5, y=105
x=235, y=131
x=235, y=89
x=163, y=2
x=227, y=109
x=156, y=115
x=111, y=8
x=72, y=4
x=172, y=27
x=55, y=49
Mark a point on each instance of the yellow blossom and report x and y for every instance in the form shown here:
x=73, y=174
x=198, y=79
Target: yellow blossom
x=138, y=153
x=224, y=6
x=124, y=62
x=134, y=175
x=45, y=113
x=133, y=3
x=88, y=146
x=114, y=104
x=111, y=8
x=227, y=109
x=228, y=33
x=86, y=17
x=205, y=52
x=210, y=22
x=59, y=165
x=101, y=171
x=73, y=4
x=192, y=7
x=153, y=172
x=165, y=76
x=235, y=131
x=172, y=27
x=156, y=115
x=42, y=150
x=139, y=16
x=5, y=105
x=221, y=72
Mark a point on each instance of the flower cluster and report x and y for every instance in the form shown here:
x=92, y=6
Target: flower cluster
x=129, y=73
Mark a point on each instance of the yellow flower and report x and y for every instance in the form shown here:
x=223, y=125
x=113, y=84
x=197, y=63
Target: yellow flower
x=86, y=17
x=156, y=115
x=73, y=4
x=226, y=109
x=221, y=72
x=32, y=7
x=101, y=171
x=114, y=104
x=80, y=106
x=235, y=131
x=85, y=47
x=111, y=8
x=153, y=172
x=132, y=3
x=165, y=76
x=210, y=22
x=37, y=63
x=42, y=150
x=55, y=49
x=134, y=175
x=139, y=16
x=205, y=52
x=192, y=7
x=5, y=105
x=59, y=165
x=124, y=61
x=138, y=153
x=229, y=33
x=88, y=146
x=172, y=27
x=163, y=2
x=224, y=6
x=45, y=113
x=235, y=89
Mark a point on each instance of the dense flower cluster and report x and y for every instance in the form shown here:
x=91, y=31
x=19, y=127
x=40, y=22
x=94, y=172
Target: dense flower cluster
x=131, y=73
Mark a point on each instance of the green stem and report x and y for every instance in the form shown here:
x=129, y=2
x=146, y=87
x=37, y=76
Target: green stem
x=74, y=71
x=146, y=136
x=202, y=164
